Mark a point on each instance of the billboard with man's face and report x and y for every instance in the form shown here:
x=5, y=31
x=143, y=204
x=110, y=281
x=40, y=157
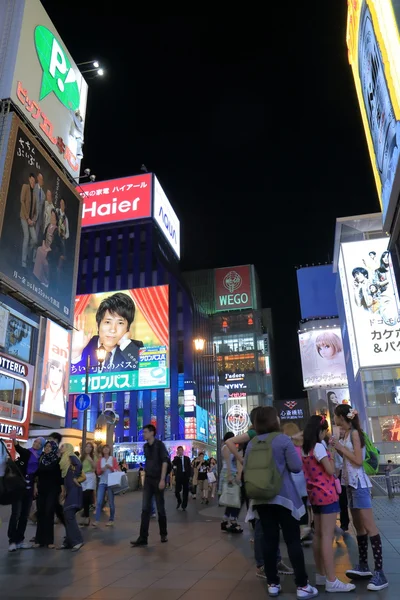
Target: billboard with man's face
x=40, y=226
x=132, y=329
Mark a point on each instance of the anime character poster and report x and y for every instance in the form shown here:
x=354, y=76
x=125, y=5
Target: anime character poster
x=322, y=357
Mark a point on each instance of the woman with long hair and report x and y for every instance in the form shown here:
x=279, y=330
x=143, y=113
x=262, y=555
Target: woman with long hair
x=319, y=471
x=71, y=471
x=47, y=488
x=285, y=509
x=105, y=465
x=230, y=473
x=89, y=485
x=358, y=485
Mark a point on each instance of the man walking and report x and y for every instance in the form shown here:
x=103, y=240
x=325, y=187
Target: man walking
x=156, y=466
x=181, y=465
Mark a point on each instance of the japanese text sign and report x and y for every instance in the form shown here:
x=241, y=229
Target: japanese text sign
x=123, y=199
x=42, y=80
x=371, y=303
x=233, y=288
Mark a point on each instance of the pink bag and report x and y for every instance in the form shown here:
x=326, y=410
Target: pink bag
x=338, y=486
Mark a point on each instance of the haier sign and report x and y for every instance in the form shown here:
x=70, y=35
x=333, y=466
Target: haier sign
x=233, y=288
x=165, y=217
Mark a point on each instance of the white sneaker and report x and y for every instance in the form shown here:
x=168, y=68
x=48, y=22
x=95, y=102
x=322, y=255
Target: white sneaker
x=339, y=586
x=24, y=546
x=306, y=592
x=12, y=547
x=274, y=589
x=320, y=579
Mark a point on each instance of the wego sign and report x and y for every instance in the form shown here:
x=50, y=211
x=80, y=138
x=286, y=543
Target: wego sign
x=233, y=289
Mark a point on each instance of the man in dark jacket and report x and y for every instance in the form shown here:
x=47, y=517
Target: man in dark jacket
x=181, y=465
x=157, y=461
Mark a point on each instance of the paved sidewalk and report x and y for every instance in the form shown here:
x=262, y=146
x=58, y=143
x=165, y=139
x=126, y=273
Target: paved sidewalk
x=198, y=563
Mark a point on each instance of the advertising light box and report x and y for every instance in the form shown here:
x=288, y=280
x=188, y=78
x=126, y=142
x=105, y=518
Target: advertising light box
x=233, y=288
x=201, y=424
x=370, y=293
x=40, y=226
x=374, y=54
x=322, y=357
x=38, y=74
x=165, y=217
x=55, y=374
x=133, y=327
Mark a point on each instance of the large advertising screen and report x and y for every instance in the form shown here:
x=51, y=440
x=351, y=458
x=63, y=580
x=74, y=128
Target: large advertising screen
x=133, y=328
x=316, y=287
x=40, y=226
x=55, y=374
x=370, y=293
x=233, y=288
x=322, y=357
x=374, y=54
x=39, y=75
x=201, y=424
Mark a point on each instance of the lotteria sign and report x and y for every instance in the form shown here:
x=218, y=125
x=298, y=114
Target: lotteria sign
x=233, y=288
x=16, y=385
x=38, y=74
x=124, y=199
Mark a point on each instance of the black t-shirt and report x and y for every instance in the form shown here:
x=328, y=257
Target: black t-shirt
x=156, y=454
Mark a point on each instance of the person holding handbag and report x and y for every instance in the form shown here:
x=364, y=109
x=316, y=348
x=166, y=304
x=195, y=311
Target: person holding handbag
x=231, y=474
x=105, y=465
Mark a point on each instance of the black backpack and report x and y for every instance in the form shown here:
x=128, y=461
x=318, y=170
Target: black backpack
x=13, y=483
x=169, y=463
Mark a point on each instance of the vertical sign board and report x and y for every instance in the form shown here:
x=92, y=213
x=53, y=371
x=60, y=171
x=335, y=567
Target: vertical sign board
x=165, y=217
x=374, y=54
x=38, y=74
x=233, y=288
x=40, y=221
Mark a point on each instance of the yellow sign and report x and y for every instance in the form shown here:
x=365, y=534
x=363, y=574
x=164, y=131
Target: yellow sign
x=373, y=43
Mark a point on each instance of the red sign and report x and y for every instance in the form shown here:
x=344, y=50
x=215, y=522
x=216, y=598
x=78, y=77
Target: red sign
x=116, y=200
x=233, y=288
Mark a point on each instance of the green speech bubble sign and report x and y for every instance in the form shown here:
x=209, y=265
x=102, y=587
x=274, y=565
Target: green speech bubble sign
x=58, y=75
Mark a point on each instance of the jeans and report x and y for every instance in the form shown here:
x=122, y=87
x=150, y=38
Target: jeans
x=46, y=504
x=259, y=546
x=151, y=491
x=182, y=484
x=73, y=535
x=273, y=517
x=30, y=239
x=87, y=502
x=20, y=511
x=101, y=492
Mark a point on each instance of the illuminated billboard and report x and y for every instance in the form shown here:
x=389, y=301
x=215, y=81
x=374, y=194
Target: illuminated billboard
x=322, y=357
x=165, y=217
x=133, y=328
x=233, y=288
x=55, y=374
x=371, y=303
x=38, y=74
x=39, y=225
x=201, y=424
x=16, y=385
x=374, y=54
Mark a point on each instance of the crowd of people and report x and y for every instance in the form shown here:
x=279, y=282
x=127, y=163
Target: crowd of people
x=291, y=481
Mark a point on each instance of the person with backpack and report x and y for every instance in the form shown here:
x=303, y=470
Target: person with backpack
x=269, y=461
x=319, y=470
x=358, y=484
x=158, y=464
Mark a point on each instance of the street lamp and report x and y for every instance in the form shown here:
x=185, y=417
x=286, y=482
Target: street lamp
x=199, y=344
x=101, y=354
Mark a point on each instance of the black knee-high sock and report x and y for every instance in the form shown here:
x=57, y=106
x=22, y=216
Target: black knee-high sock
x=376, y=545
x=362, y=541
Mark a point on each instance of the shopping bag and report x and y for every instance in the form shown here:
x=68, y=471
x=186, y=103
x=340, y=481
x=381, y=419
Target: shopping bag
x=211, y=477
x=123, y=486
x=230, y=495
x=114, y=479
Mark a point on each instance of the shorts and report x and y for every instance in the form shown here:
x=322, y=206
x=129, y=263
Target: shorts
x=326, y=509
x=359, y=498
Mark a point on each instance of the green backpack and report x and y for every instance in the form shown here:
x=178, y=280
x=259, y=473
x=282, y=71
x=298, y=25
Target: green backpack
x=371, y=462
x=261, y=477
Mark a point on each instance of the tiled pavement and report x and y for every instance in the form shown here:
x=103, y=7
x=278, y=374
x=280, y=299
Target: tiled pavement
x=198, y=563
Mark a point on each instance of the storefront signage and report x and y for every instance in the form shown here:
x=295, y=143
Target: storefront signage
x=236, y=419
x=43, y=81
x=233, y=288
x=13, y=366
x=124, y=199
x=16, y=383
x=164, y=215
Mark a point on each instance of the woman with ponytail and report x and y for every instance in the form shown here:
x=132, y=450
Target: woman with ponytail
x=352, y=448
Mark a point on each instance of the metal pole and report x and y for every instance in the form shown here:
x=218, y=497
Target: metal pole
x=84, y=428
x=217, y=409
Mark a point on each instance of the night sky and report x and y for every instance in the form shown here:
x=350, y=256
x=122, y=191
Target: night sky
x=251, y=124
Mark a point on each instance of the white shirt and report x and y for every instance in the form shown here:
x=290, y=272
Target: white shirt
x=183, y=463
x=320, y=451
x=104, y=462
